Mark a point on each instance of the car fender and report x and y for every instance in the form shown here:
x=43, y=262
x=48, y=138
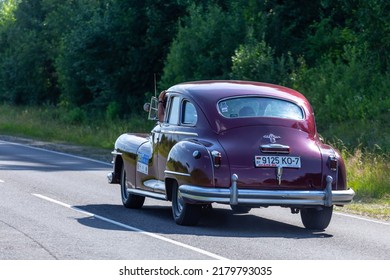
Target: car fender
x=338, y=174
x=129, y=143
x=127, y=148
x=189, y=162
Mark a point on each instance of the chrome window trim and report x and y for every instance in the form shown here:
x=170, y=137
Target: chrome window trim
x=179, y=132
x=177, y=173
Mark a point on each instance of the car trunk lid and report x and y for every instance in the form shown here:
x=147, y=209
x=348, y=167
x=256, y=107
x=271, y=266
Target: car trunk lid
x=272, y=157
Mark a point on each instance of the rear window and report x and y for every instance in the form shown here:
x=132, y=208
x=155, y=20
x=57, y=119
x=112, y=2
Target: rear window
x=246, y=107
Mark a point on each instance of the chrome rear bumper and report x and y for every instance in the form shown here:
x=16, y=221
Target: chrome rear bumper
x=235, y=196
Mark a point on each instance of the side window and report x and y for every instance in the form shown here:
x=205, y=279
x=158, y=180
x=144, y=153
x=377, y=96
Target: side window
x=173, y=117
x=189, y=113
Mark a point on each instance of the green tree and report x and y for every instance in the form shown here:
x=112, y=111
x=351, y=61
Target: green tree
x=370, y=22
x=27, y=73
x=205, y=42
x=257, y=62
x=7, y=9
x=108, y=60
x=23, y=60
x=288, y=24
x=102, y=55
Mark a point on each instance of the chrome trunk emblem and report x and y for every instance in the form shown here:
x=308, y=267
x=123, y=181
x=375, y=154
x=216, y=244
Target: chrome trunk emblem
x=279, y=172
x=272, y=138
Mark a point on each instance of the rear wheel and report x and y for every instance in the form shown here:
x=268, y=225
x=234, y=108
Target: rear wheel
x=317, y=219
x=129, y=200
x=184, y=214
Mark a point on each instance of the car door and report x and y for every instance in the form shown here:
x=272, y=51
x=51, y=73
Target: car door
x=152, y=155
x=167, y=135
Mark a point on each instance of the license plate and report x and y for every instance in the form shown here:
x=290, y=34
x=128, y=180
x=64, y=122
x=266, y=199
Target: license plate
x=275, y=161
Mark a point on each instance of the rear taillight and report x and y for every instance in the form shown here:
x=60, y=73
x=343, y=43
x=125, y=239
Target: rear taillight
x=333, y=163
x=217, y=157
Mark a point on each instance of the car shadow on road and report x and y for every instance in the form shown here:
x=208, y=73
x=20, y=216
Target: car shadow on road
x=214, y=222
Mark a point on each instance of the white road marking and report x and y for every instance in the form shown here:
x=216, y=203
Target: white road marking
x=362, y=218
x=1, y=181
x=55, y=152
x=153, y=235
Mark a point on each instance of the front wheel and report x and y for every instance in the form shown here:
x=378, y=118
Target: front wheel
x=184, y=214
x=317, y=219
x=129, y=200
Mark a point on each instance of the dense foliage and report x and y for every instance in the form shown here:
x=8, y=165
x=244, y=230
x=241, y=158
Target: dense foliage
x=98, y=58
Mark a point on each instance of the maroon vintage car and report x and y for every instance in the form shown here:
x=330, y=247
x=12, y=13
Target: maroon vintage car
x=245, y=144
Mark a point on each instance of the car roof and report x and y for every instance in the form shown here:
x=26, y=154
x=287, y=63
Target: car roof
x=207, y=94
x=215, y=90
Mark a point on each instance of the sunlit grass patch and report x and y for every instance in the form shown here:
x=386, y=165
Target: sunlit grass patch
x=374, y=208
x=54, y=124
x=368, y=173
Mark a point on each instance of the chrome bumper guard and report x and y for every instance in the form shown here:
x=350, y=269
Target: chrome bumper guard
x=235, y=196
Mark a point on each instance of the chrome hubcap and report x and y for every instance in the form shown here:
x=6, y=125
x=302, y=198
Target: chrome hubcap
x=180, y=201
x=125, y=192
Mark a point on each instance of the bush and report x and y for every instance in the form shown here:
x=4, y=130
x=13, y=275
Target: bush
x=256, y=61
x=350, y=99
x=368, y=173
x=204, y=45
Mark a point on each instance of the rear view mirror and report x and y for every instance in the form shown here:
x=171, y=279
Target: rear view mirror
x=153, y=107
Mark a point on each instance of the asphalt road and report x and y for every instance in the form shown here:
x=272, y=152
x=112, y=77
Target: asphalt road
x=59, y=206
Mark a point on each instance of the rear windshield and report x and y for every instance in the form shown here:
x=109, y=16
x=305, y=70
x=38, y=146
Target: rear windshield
x=244, y=107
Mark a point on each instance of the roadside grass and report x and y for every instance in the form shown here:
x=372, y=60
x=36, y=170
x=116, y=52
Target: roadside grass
x=368, y=174
x=368, y=171
x=373, y=208
x=54, y=124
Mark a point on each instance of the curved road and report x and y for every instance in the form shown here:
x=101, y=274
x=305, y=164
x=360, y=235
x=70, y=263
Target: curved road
x=59, y=206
